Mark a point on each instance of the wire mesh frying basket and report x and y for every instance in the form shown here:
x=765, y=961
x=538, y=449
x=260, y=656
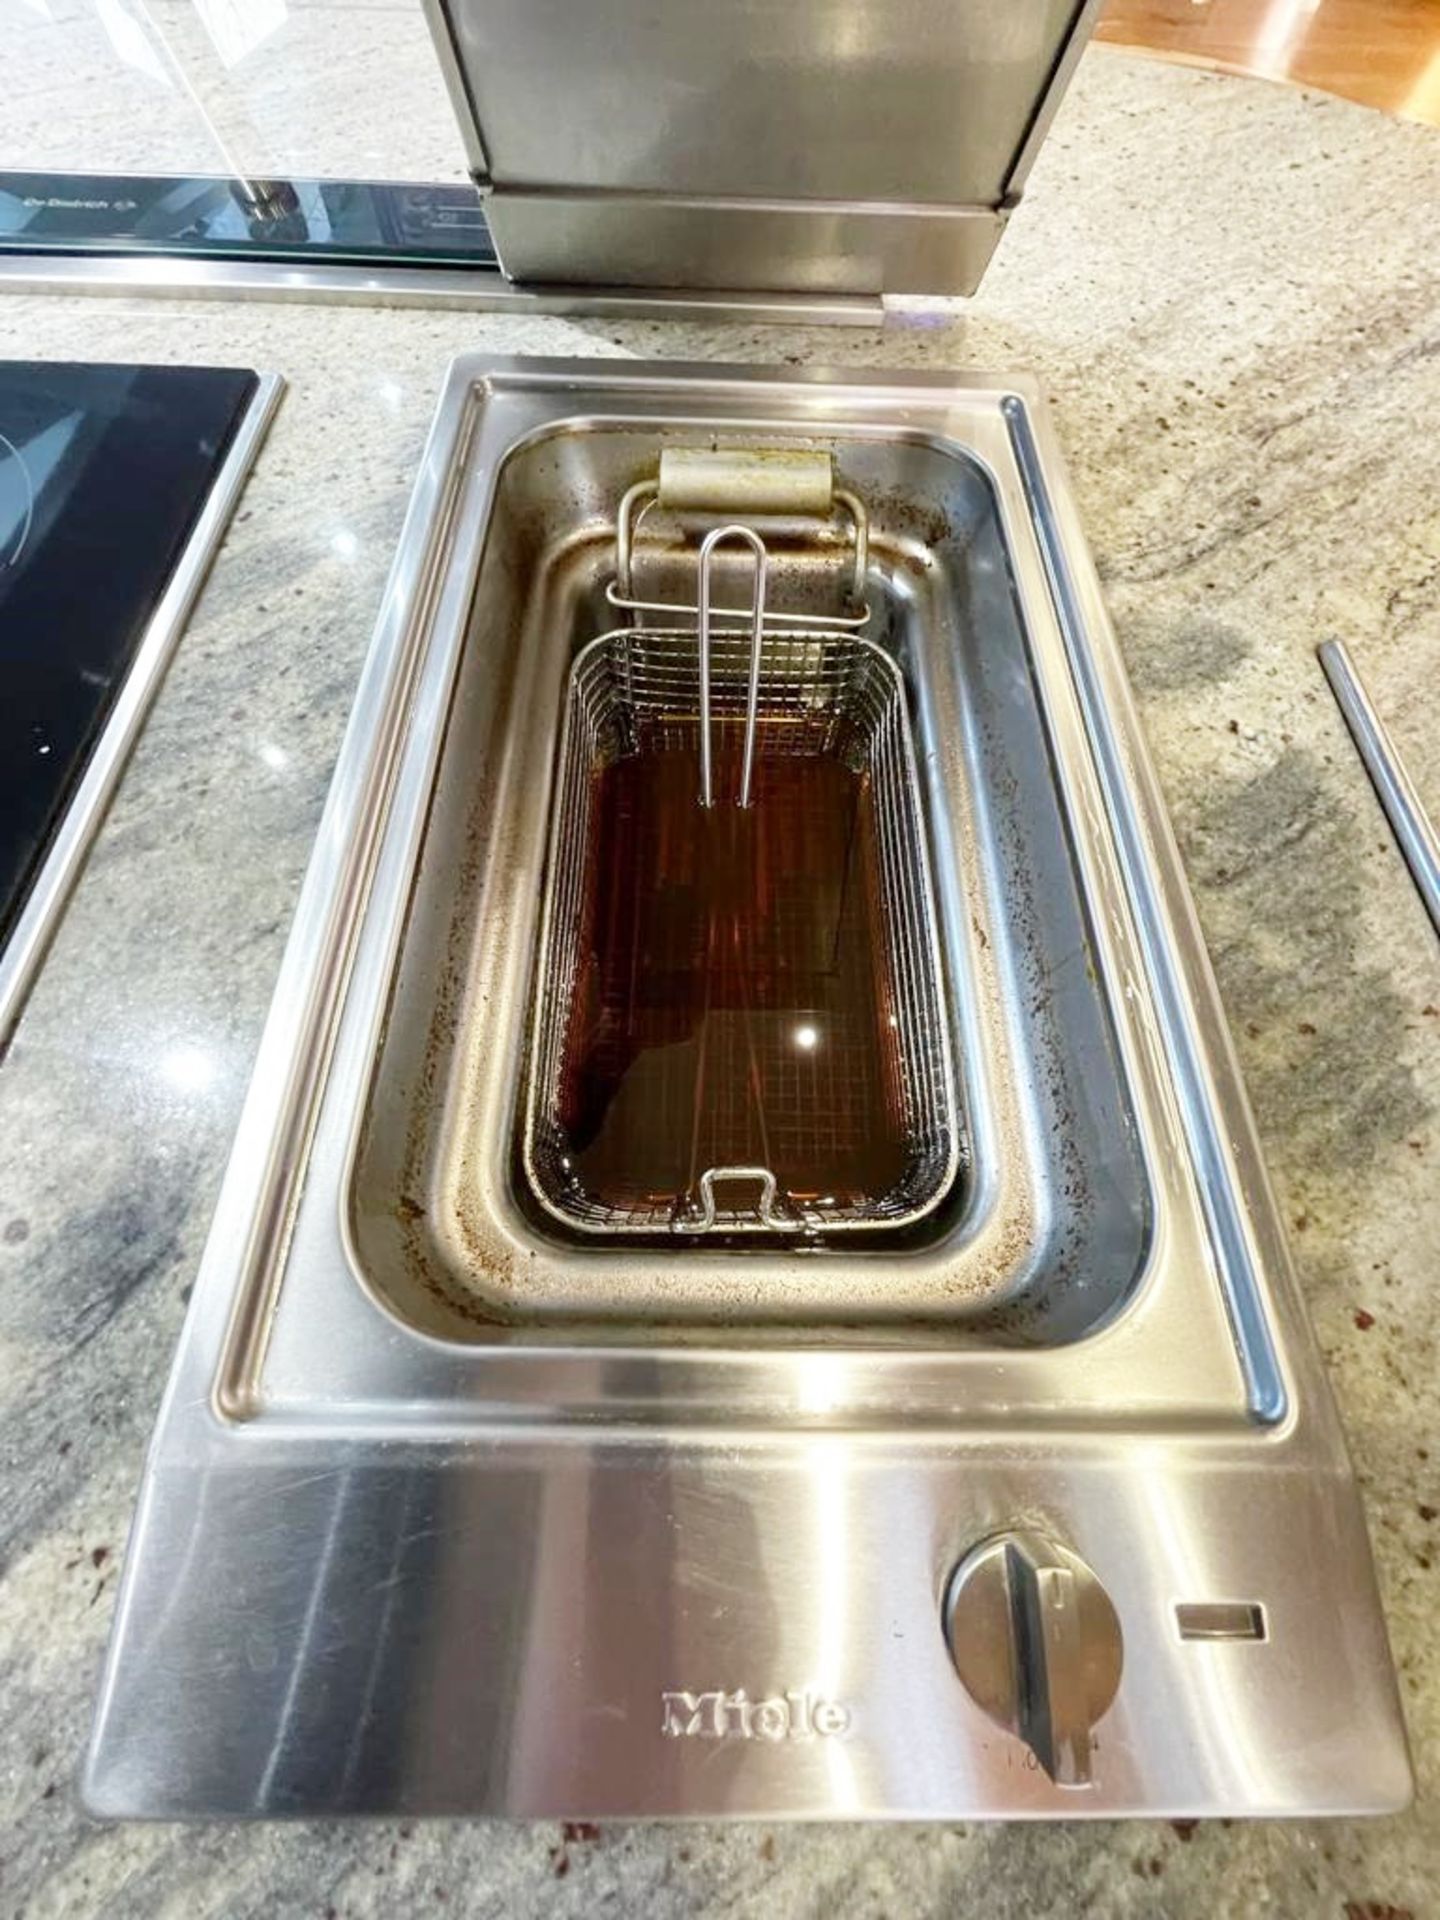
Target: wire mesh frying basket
x=739, y=1019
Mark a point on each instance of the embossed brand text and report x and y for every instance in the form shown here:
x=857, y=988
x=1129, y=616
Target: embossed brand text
x=796, y=1714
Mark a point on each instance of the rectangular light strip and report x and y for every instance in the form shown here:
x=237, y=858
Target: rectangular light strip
x=1220, y=1620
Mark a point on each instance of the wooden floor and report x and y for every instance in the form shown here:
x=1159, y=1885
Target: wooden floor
x=1385, y=53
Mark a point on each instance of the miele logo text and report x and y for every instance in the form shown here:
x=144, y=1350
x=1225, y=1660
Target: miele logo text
x=794, y=1715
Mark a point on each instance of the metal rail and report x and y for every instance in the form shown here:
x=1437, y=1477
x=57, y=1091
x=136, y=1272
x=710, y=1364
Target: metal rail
x=1409, y=822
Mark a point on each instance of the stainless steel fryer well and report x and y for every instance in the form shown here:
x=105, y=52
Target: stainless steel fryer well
x=1046, y=1232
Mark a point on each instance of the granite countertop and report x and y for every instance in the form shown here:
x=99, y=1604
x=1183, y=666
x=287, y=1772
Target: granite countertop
x=1233, y=295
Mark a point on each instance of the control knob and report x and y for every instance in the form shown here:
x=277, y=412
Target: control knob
x=1035, y=1639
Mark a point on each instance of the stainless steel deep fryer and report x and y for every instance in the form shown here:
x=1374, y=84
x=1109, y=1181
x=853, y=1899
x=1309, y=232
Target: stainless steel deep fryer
x=606, y=1529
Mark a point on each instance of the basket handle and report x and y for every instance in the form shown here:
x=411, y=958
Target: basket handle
x=767, y=1207
x=744, y=480
x=757, y=628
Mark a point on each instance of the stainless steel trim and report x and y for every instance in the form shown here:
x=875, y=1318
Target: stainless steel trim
x=476, y=290
x=1220, y=1134
x=752, y=204
x=806, y=247
x=458, y=89
x=40, y=916
x=1049, y=104
x=1412, y=826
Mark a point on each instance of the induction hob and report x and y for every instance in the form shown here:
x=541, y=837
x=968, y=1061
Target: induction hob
x=116, y=483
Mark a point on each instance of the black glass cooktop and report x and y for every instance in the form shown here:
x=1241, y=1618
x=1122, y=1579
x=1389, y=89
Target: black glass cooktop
x=103, y=474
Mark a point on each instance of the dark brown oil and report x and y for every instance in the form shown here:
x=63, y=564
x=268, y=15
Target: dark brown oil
x=732, y=1006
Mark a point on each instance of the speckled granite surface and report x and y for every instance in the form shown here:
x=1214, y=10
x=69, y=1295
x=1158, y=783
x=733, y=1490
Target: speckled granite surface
x=1234, y=296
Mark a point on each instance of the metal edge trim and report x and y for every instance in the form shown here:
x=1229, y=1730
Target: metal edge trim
x=259, y=1193
x=452, y=71
x=219, y=179
x=475, y=289
x=1403, y=808
x=62, y=865
x=1048, y=101
x=814, y=206
x=1143, y=846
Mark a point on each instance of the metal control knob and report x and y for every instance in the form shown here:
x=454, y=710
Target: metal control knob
x=1037, y=1643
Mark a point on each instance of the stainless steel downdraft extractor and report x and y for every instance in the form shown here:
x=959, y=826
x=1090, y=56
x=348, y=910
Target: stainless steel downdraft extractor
x=588, y=1406
x=811, y=147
